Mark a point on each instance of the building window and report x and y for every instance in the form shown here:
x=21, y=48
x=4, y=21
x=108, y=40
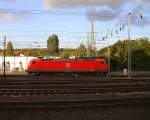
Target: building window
x=20, y=63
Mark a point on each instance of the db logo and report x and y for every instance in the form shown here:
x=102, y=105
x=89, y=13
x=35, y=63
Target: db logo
x=68, y=65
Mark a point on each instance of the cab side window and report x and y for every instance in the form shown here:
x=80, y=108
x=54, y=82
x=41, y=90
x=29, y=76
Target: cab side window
x=33, y=62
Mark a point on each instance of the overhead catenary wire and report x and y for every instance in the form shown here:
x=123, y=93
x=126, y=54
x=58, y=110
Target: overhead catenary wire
x=44, y=12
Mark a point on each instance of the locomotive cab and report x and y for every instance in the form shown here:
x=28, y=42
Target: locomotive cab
x=103, y=67
x=33, y=66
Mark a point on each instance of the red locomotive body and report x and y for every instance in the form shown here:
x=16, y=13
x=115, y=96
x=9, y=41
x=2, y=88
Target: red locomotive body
x=38, y=66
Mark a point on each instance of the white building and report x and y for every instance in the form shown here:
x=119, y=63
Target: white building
x=13, y=63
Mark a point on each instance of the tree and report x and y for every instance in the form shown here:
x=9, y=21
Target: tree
x=140, y=54
x=140, y=60
x=10, y=51
x=65, y=55
x=81, y=51
x=53, y=44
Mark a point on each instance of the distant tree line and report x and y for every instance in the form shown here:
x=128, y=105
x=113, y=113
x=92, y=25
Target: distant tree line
x=140, y=54
x=118, y=52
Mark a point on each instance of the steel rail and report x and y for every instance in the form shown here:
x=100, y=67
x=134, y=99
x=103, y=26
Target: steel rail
x=78, y=90
x=72, y=85
x=26, y=77
x=82, y=103
x=55, y=81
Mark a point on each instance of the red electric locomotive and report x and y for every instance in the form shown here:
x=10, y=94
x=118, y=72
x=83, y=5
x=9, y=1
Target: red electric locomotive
x=78, y=66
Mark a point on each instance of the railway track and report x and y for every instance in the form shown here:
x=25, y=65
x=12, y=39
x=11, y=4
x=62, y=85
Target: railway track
x=44, y=85
x=52, y=87
x=72, y=82
x=46, y=90
x=75, y=77
x=53, y=104
x=19, y=90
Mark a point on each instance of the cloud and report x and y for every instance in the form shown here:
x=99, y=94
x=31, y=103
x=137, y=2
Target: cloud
x=114, y=4
x=8, y=0
x=7, y=16
x=142, y=4
x=10, y=16
x=100, y=9
x=104, y=10
x=102, y=15
x=51, y=4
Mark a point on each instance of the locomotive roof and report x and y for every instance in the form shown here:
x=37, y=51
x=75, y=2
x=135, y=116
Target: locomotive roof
x=70, y=59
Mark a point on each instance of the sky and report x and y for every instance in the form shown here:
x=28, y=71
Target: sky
x=28, y=23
